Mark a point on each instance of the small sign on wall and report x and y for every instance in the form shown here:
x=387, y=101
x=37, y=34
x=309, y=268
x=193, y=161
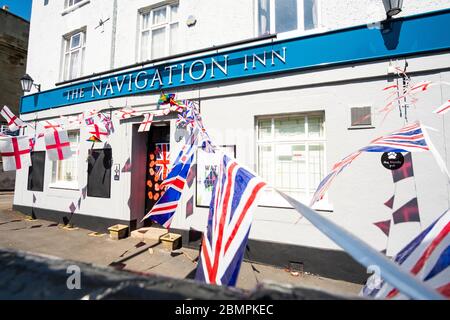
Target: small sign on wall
x=116, y=172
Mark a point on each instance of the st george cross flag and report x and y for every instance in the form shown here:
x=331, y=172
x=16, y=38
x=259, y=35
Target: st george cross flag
x=229, y=222
x=98, y=130
x=427, y=257
x=444, y=108
x=14, y=123
x=147, y=123
x=15, y=152
x=125, y=113
x=58, y=145
x=51, y=125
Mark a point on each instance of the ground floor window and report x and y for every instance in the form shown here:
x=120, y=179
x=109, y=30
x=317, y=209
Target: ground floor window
x=291, y=155
x=65, y=172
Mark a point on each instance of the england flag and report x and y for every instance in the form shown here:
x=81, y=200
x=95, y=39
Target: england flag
x=15, y=152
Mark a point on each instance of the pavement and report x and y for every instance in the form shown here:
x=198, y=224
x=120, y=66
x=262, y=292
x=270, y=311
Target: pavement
x=49, y=238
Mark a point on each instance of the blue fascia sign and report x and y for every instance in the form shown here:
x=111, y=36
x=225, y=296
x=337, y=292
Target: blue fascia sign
x=408, y=36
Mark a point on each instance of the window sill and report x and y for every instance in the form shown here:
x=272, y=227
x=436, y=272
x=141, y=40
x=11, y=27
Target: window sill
x=75, y=7
x=65, y=186
x=300, y=33
x=361, y=127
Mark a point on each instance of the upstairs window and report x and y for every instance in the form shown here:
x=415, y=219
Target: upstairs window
x=158, y=32
x=70, y=3
x=74, y=52
x=279, y=16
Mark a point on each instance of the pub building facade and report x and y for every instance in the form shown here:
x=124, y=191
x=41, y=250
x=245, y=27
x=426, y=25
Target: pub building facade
x=287, y=87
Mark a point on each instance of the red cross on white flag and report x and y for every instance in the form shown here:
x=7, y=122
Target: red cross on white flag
x=58, y=145
x=444, y=108
x=147, y=123
x=98, y=130
x=15, y=152
x=51, y=125
x=125, y=113
x=14, y=123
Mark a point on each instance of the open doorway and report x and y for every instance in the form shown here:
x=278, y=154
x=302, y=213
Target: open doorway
x=158, y=164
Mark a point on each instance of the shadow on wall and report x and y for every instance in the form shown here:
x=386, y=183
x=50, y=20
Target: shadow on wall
x=390, y=32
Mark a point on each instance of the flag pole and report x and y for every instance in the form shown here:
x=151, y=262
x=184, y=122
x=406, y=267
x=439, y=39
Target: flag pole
x=366, y=255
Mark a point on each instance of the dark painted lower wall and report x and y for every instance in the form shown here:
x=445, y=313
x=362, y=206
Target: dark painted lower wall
x=332, y=264
x=82, y=221
x=7, y=180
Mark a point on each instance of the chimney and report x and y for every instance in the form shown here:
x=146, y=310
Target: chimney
x=5, y=7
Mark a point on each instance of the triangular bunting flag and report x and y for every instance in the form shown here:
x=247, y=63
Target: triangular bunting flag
x=407, y=213
x=384, y=226
x=390, y=202
x=405, y=171
x=94, y=139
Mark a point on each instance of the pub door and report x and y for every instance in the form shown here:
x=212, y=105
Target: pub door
x=158, y=164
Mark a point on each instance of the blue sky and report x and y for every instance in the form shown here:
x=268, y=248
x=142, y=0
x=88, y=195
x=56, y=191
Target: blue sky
x=22, y=8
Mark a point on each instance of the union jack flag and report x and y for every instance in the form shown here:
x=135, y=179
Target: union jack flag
x=326, y=182
x=162, y=160
x=229, y=223
x=407, y=139
x=427, y=257
x=165, y=208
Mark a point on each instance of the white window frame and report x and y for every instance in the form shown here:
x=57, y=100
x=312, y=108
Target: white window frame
x=60, y=184
x=166, y=25
x=300, y=20
x=275, y=199
x=67, y=53
x=68, y=7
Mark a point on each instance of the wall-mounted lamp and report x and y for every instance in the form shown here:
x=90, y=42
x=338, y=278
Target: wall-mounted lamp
x=27, y=83
x=392, y=7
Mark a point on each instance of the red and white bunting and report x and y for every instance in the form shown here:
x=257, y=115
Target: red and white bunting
x=147, y=123
x=51, y=125
x=15, y=152
x=125, y=113
x=444, y=108
x=14, y=123
x=58, y=145
x=98, y=130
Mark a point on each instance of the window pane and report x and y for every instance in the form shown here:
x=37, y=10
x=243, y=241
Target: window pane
x=145, y=21
x=285, y=15
x=290, y=128
x=291, y=169
x=174, y=13
x=174, y=38
x=159, y=16
x=74, y=64
x=310, y=14
x=265, y=129
x=316, y=166
x=265, y=164
x=66, y=171
x=158, y=42
x=76, y=41
x=264, y=17
x=144, y=45
x=66, y=66
x=315, y=126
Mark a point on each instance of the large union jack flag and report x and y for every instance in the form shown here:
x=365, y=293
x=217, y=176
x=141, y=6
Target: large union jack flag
x=165, y=208
x=427, y=257
x=229, y=222
x=407, y=139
